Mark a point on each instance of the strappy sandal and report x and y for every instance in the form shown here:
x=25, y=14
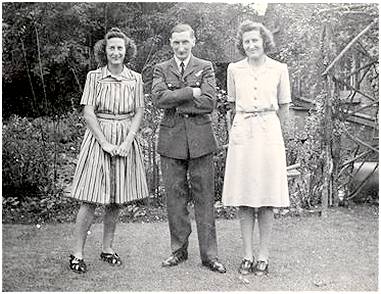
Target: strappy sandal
x=261, y=268
x=111, y=258
x=77, y=265
x=246, y=267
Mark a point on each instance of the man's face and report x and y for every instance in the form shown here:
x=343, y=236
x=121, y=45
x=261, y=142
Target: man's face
x=182, y=44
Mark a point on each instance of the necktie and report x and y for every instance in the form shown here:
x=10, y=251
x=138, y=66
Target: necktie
x=182, y=65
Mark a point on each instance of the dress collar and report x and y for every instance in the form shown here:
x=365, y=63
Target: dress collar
x=269, y=63
x=124, y=75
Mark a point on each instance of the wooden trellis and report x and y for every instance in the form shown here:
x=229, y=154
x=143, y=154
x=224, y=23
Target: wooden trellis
x=338, y=173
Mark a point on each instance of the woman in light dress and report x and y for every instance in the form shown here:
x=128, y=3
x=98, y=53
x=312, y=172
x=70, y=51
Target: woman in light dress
x=110, y=168
x=255, y=175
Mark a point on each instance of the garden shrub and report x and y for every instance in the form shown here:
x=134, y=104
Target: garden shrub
x=27, y=158
x=36, y=164
x=305, y=147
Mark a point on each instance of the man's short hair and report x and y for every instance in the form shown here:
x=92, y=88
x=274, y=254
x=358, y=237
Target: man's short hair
x=182, y=27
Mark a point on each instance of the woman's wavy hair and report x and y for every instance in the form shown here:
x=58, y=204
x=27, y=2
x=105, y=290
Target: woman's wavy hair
x=248, y=26
x=100, y=47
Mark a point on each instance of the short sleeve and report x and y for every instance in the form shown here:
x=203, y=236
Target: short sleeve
x=89, y=93
x=284, y=92
x=139, y=94
x=230, y=85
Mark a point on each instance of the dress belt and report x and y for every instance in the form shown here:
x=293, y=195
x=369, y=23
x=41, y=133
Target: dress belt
x=111, y=116
x=248, y=114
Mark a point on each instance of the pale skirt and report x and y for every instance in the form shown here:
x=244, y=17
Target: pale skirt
x=100, y=178
x=256, y=171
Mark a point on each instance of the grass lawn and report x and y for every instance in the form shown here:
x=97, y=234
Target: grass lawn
x=337, y=253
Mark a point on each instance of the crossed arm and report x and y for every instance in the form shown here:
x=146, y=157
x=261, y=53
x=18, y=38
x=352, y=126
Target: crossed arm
x=188, y=99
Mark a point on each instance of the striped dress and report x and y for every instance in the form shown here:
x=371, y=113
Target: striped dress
x=99, y=177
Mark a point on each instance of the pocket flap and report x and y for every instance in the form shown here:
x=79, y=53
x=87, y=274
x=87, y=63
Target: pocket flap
x=168, y=122
x=202, y=119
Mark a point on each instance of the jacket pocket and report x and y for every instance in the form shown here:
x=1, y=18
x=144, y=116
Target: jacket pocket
x=202, y=119
x=173, y=84
x=168, y=122
x=239, y=131
x=193, y=82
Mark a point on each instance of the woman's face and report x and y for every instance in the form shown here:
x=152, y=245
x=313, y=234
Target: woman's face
x=115, y=51
x=253, y=44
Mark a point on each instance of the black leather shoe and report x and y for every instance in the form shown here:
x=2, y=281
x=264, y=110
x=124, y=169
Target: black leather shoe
x=215, y=265
x=175, y=259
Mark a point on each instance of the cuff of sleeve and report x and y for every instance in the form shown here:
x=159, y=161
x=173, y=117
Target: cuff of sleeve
x=185, y=94
x=284, y=101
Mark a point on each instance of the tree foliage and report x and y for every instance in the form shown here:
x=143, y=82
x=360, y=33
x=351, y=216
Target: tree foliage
x=300, y=36
x=48, y=46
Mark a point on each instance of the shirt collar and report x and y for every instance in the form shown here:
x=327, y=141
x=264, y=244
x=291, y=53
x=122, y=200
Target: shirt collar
x=186, y=61
x=124, y=75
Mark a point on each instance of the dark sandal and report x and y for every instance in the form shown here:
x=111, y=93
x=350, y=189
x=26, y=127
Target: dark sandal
x=246, y=267
x=261, y=268
x=77, y=265
x=111, y=258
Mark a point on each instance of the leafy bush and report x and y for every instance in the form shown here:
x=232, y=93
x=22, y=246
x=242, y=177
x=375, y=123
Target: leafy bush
x=27, y=157
x=221, y=131
x=38, y=162
x=304, y=147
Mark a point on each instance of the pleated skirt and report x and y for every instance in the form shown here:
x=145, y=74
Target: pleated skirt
x=255, y=171
x=101, y=178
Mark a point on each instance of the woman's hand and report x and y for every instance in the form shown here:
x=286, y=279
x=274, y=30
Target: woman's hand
x=109, y=148
x=125, y=147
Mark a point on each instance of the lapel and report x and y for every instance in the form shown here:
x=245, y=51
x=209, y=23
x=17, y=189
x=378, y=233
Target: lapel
x=190, y=67
x=173, y=68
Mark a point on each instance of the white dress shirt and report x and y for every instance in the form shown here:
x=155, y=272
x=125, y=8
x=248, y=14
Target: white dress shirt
x=186, y=61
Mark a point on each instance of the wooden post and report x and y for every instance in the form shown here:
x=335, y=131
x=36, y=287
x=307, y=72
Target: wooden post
x=327, y=169
x=327, y=142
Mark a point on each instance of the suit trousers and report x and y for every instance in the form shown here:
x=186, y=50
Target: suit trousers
x=178, y=189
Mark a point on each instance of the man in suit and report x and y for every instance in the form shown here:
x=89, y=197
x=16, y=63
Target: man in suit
x=184, y=87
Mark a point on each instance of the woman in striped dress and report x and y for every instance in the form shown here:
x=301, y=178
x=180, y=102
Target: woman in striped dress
x=110, y=167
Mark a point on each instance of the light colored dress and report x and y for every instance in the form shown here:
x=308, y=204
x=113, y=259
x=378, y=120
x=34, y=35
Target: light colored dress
x=99, y=177
x=255, y=172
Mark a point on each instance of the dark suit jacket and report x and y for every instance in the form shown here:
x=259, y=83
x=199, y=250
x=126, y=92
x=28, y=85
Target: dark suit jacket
x=186, y=128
